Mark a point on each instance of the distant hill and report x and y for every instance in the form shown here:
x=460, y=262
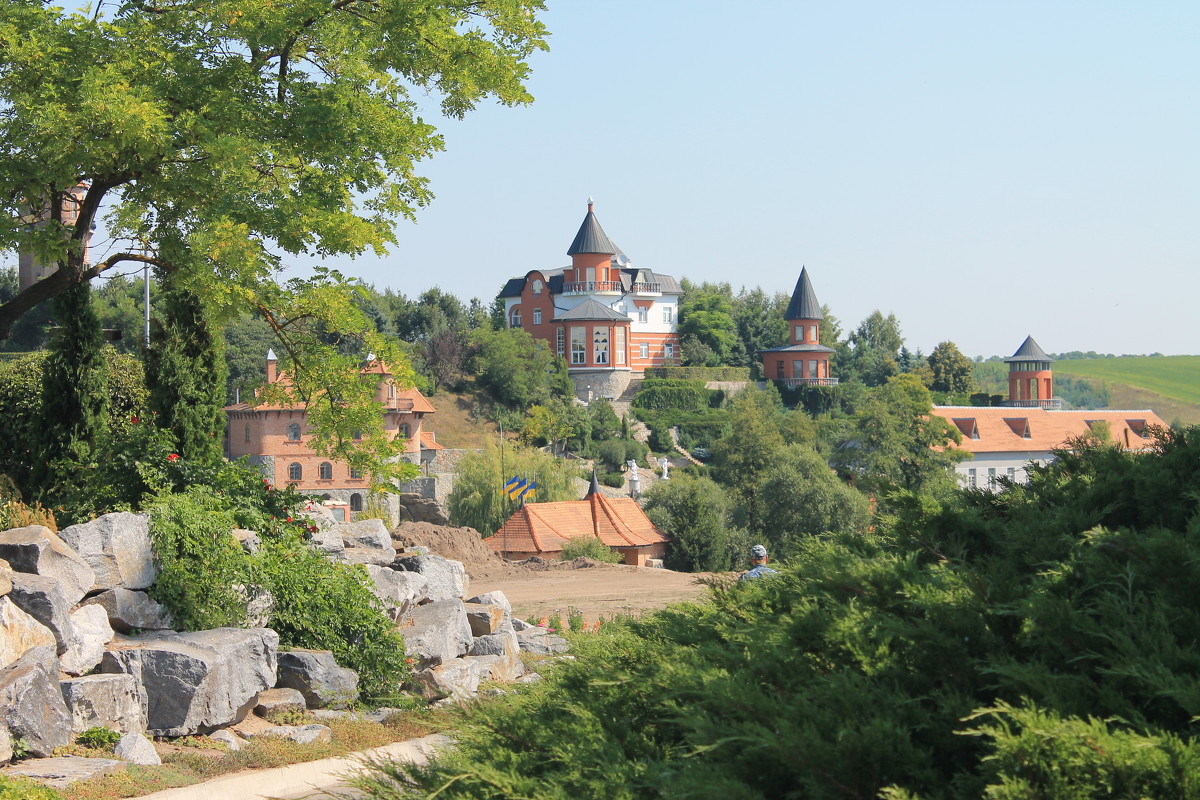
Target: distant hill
x=1170, y=385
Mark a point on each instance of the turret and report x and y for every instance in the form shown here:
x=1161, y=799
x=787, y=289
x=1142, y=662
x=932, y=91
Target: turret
x=1030, y=380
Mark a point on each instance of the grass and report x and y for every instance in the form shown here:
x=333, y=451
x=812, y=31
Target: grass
x=1176, y=377
x=191, y=765
x=454, y=423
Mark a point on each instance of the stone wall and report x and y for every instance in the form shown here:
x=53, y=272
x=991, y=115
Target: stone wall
x=602, y=383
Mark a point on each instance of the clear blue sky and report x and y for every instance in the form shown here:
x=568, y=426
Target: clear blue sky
x=982, y=170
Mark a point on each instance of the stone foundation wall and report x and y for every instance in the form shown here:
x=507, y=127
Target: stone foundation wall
x=592, y=385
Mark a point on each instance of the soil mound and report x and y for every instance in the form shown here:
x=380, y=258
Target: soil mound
x=459, y=544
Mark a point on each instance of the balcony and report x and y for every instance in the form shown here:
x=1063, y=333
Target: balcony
x=592, y=287
x=792, y=383
x=1053, y=404
x=647, y=288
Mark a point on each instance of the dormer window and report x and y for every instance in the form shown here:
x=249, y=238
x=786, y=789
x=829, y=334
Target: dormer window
x=1019, y=426
x=967, y=426
x=536, y=286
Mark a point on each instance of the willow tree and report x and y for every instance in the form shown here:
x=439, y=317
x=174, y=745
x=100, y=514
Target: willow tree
x=225, y=139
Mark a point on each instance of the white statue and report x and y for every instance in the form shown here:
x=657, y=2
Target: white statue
x=666, y=468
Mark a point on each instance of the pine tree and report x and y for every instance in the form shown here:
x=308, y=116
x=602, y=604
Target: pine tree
x=185, y=373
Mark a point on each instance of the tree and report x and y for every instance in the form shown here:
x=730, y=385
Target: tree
x=760, y=322
x=227, y=137
x=873, y=349
x=801, y=497
x=517, y=370
x=706, y=312
x=478, y=500
x=953, y=372
x=694, y=512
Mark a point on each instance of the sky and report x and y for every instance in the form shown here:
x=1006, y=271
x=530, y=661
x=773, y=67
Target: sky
x=984, y=171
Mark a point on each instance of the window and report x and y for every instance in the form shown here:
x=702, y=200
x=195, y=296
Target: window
x=247, y=433
x=295, y=471
x=668, y=351
x=560, y=337
x=325, y=471
x=778, y=369
x=644, y=350
x=971, y=477
x=812, y=368
x=643, y=314
x=667, y=315
x=799, y=333
x=991, y=477
x=537, y=286
x=812, y=333
x=356, y=502
x=600, y=345
x=357, y=435
x=293, y=432
x=578, y=346
x=356, y=473
x=537, y=316
x=405, y=431
x=620, y=345
x=516, y=317
x=1012, y=473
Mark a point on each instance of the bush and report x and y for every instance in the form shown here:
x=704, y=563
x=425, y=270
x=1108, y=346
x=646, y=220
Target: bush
x=674, y=395
x=21, y=789
x=729, y=374
x=614, y=480
x=98, y=738
x=589, y=547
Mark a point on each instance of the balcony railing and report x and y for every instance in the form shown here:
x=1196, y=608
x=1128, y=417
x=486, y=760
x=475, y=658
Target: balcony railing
x=1053, y=404
x=647, y=288
x=792, y=383
x=587, y=287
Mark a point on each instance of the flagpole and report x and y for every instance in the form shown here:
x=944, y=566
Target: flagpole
x=504, y=539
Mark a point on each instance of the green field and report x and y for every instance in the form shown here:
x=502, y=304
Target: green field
x=1176, y=377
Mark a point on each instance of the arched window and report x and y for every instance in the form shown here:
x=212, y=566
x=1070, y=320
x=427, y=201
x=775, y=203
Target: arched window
x=537, y=286
x=293, y=432
x=356, y=502
x=295, y=471
x=516, y=317
x=325, y=471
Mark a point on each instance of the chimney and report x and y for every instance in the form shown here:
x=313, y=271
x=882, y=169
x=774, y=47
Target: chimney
x=272, y=374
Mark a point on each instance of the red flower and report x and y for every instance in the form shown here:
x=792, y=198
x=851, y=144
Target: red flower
x=289, y=519
x=173, y=457
x=134, y=420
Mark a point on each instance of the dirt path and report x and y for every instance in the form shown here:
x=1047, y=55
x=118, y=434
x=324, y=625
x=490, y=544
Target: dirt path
x=598, y=591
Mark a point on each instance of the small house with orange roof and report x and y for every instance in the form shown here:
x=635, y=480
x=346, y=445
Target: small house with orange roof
x=276, y=438
x=541, y=529
x=1004, y=440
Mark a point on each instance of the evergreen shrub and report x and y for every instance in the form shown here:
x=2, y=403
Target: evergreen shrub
x=589, y=547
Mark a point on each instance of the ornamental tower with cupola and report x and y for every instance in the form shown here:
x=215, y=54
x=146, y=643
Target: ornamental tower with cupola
x=1030, y=379
x=803, y=361
x=609, y=319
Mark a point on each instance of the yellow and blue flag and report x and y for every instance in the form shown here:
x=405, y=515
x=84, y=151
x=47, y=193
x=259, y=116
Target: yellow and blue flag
x=514, y=486
x=529, y=491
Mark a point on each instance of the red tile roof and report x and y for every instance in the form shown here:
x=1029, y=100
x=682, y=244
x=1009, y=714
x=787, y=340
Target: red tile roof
x=545, y=527
x=1002, y=429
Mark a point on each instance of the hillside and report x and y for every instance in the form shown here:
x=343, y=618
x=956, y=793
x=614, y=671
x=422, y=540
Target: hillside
x=454, y=423
x=1170, y=385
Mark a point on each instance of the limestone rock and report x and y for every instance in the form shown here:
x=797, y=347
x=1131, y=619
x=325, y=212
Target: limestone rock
x=6, y=573
x=521, y=625
x=117, y=548
x=458, y=679
x=538, y=641
x=6, y=751
x=319, y=516
x=92, y=635
x=128, y=611
x=195, y=682
x=317, y=676
x=38, y=550
x=495, y=598
x=109, y=701
x=328, y=542
x=259, y=604
x=249, y=540
x=32, y=702
x=279, y=701
x=366, y=533
x=369, y=555
x=232, y=741
x=137, y=749
x=436, y=632
x=505, y=646
x=498, y=668
x=447, y=579
x=398, y=590
x=43, y=599
x=301, y=734
x=20, y=632
x=484, y=619
x=61, y=772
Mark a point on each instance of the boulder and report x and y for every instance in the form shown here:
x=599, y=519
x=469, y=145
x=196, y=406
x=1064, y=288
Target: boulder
x=129, y=611
x=108, y=701
x=249, y=540
x=259, y=603
x=370, y=533
x=328, y=542
x=231, y=740
x=137, y=749
x=92, y=635
x=61, y=772
x=196, y=682
x=498, y=668
x=495, y=598
x=6, y=751
x=446, y=579
x=369, y=555
x=6, y=573
x=43, y=599
x=436, y=632
x=278, y=701
x=20, y=633
x=484, y=619
x=539, y=642
x=301, y=734
x=316, y=675
x=457, y=679
x=117, y=547
x=38, y=550
x=319, y=516
x=505, y=646
x=396, y=589
x=32, y=702
x=521, y=625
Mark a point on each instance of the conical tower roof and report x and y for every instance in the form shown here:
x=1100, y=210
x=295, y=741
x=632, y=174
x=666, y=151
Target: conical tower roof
x=1028, y=351
x=592, y=238
x=594, y=489
x=804, y=303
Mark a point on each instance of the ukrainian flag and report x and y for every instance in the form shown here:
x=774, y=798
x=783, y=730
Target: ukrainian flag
x=514, y=486
x=529, y=491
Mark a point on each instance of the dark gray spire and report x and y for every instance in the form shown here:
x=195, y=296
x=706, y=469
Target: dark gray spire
x=592, y=238
x=804, y=303
x=595, y=487
x=1029, y=351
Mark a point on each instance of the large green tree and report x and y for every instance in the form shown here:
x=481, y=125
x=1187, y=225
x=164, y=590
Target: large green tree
x=952, y=371
x=229, y=138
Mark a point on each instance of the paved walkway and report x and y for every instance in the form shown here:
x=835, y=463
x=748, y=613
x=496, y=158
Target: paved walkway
x=312, y=779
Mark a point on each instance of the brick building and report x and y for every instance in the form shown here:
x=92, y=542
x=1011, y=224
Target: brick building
x=606, y=317
x=277, y=439
x=803, y=361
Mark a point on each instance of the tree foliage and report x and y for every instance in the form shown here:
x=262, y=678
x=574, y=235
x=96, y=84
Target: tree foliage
x=478, y=500
x=952, y=371
x=695, y=513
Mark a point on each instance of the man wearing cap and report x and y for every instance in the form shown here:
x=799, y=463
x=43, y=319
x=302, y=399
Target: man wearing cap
x=758, y=557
